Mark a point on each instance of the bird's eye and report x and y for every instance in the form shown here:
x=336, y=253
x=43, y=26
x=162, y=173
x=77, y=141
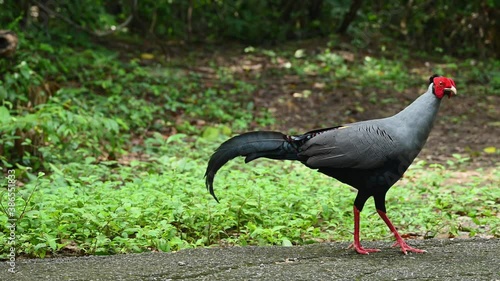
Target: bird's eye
x=440, y=83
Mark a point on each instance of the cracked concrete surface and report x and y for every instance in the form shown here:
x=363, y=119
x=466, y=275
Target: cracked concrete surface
x=471, y=259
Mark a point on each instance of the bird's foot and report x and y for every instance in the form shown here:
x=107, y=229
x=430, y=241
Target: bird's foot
x=405, y=248
x=363, y=251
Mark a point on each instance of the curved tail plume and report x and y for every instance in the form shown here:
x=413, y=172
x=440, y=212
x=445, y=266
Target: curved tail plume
x=253, y=145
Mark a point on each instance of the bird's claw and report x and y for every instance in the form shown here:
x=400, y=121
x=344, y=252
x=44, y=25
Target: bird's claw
x=363, y=251
x=405, y=248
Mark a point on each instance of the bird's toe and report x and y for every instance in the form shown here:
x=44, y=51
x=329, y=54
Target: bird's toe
x=405, y=248
x=363, y=251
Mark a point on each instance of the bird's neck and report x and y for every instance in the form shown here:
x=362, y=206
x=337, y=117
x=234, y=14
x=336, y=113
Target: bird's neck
x=418, y=118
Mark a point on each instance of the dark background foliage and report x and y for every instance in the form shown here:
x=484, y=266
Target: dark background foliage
x=457, y=27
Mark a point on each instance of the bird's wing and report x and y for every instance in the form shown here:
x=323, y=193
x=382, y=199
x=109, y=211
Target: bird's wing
x=363, y=145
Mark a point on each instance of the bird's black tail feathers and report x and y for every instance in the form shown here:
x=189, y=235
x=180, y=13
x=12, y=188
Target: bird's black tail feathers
x=252, y=145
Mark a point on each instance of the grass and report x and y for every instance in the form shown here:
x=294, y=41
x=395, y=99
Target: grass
x=112, y=160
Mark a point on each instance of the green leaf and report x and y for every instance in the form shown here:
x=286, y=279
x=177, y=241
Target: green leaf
x=226, y=130
x=90, y=160
x=211, y=133
x=51, y=241
x=4, y=115
x=286, y=243
x=46, y=47
x=490, y=149
x=176, y=138
x=25, y=70
x=56, y=170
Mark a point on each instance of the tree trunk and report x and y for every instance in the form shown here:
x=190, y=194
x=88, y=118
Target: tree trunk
x=350, y=16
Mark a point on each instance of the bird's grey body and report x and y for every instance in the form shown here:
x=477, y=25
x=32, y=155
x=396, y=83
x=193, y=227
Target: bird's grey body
x=370, y=156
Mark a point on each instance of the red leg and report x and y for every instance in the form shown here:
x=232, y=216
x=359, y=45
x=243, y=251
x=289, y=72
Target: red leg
x=356, y=244
x=399, y=239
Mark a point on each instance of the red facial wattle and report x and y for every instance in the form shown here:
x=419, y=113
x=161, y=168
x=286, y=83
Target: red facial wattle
x=444, y=86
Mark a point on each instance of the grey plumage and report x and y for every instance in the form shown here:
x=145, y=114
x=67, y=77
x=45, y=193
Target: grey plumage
x=383, y=148
x=370, y=155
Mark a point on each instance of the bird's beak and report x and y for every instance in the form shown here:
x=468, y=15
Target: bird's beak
x=451, y=91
